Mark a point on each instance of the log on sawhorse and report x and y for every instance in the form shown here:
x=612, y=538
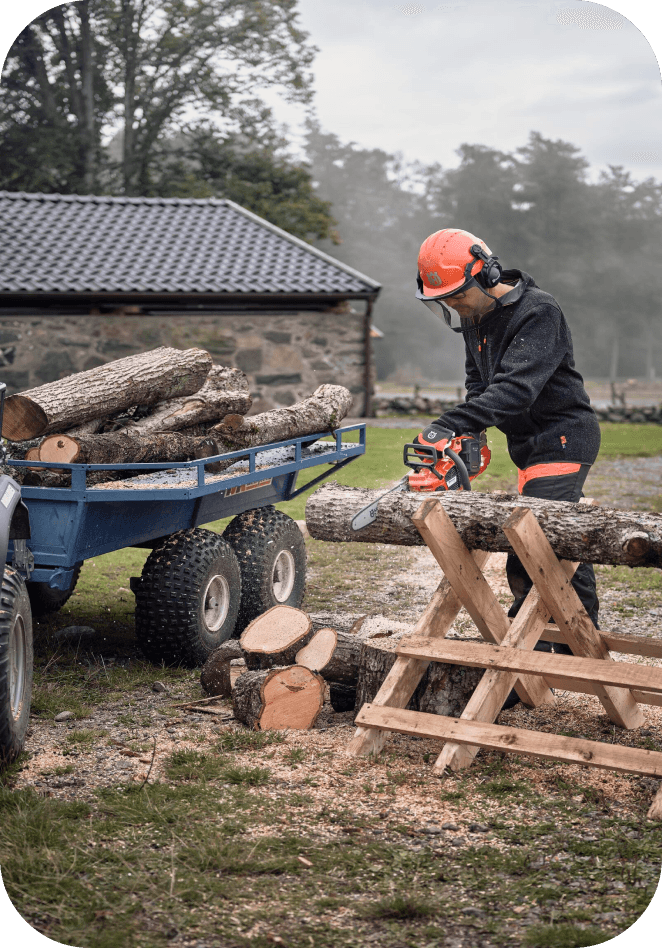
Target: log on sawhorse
x=510, y=661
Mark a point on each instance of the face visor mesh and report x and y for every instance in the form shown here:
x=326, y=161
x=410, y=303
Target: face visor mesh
x=442, y=305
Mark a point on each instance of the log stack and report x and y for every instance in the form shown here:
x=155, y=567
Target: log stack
x=289, y=662
x=158, y=406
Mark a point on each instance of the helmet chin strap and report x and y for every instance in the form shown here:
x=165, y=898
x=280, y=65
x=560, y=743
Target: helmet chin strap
x=495, y=301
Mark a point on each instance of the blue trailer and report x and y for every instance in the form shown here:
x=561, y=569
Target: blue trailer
x=197, y=587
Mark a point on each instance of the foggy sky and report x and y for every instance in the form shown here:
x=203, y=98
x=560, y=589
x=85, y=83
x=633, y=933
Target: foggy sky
x=483, y=72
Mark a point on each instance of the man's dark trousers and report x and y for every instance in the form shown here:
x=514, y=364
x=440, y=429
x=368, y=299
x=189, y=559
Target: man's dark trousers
x=555, y=487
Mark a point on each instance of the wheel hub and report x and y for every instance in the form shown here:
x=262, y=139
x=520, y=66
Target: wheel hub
x=283, y=576
x=216, y=602
x=17, y=651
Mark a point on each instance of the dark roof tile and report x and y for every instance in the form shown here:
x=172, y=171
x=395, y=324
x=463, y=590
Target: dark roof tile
x=87, y=243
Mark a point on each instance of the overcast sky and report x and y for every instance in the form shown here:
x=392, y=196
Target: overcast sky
x=422, y=78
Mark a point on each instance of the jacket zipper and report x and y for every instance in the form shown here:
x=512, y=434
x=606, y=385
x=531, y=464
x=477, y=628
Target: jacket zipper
x=483, y=363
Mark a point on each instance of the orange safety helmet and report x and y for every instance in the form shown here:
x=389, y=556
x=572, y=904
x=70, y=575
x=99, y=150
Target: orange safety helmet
x=449, y=259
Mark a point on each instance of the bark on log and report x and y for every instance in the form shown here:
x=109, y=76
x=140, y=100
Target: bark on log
x=322, y=411
x=590, y=534
x=122, y=447
x=142, y=379
x=210, y=404
x=215, y=674
x=278, y=698
x=444, y=689
x=275, y=637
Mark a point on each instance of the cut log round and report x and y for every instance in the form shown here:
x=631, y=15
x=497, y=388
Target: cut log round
x=215, y=674
x=444, y=689
x=583, y=532
x=322, y=411
x=278, y=698
x=319, y=651
x=124, y=447
x=343, y=665
x=142, y=379
x=275, y=637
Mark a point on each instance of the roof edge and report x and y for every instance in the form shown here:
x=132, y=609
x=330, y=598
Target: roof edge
x=302, y=243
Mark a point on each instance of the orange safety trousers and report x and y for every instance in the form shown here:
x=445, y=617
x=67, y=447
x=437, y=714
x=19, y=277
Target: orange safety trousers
x=551, y=469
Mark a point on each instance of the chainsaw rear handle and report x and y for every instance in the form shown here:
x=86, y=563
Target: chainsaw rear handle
x=425, y=456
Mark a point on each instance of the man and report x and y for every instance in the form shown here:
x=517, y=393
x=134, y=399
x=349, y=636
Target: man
x=520, y=377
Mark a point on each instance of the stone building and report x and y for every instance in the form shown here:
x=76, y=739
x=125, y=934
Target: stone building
x=85, y=280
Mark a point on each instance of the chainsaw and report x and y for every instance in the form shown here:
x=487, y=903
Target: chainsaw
x=440, y=461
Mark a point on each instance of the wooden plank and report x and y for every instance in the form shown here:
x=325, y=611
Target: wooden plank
x=615, y=642
x=570, y=667
x=588, y=688
x=403, y=679
x=499, y=737
x=535, y=552
x=494, y=687
x=475, y=593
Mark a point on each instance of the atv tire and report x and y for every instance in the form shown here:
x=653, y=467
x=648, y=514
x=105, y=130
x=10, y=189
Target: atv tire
x=188, y=598
x=16, y=662
x=44, y=599
x=272, y=556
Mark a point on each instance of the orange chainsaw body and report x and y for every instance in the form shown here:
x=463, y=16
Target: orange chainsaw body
x=434, y=470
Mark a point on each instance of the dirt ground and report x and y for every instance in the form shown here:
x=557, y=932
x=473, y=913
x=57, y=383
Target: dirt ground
x=511, y=852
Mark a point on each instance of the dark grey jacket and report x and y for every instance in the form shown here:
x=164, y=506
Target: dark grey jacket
x=523, y=381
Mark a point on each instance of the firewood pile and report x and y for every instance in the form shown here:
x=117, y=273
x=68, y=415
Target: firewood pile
x=158, y=406
x=285, y=664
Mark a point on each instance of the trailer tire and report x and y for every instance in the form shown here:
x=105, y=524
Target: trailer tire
x=44, y=599
x=16, y=664
x=272, y=556
x=188, y=598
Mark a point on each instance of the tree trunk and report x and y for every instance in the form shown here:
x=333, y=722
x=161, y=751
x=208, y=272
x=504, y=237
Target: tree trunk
x=322, y=411
x=444, y=689
x=275, y=637
x=278, y=698
x=120, y=447
x=86, y=69
x=215, y=675
x=141, y=379
x=590, y=534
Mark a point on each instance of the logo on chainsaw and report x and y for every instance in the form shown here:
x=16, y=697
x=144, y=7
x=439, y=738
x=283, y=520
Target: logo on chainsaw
x=434, y=279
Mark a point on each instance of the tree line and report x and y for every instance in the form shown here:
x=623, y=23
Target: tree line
x=162, y=98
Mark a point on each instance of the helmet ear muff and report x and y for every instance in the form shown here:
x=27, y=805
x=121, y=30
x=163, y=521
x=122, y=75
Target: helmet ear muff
x=490, y=273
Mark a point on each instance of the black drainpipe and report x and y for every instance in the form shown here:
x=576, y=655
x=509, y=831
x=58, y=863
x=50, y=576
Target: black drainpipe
x=367, y=360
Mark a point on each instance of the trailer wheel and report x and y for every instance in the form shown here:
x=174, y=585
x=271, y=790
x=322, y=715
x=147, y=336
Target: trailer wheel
x=44, y=599
x=188, y=598
x=16, y=659
x=272, y=557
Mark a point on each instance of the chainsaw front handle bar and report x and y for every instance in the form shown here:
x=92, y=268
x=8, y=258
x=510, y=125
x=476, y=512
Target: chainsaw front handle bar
x=422, y=456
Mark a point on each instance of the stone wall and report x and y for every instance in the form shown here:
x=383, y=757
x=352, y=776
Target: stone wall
x=285, y=356
x=421, y=405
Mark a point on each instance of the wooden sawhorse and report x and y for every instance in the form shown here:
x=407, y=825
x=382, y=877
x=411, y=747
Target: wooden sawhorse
x=510, y=661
